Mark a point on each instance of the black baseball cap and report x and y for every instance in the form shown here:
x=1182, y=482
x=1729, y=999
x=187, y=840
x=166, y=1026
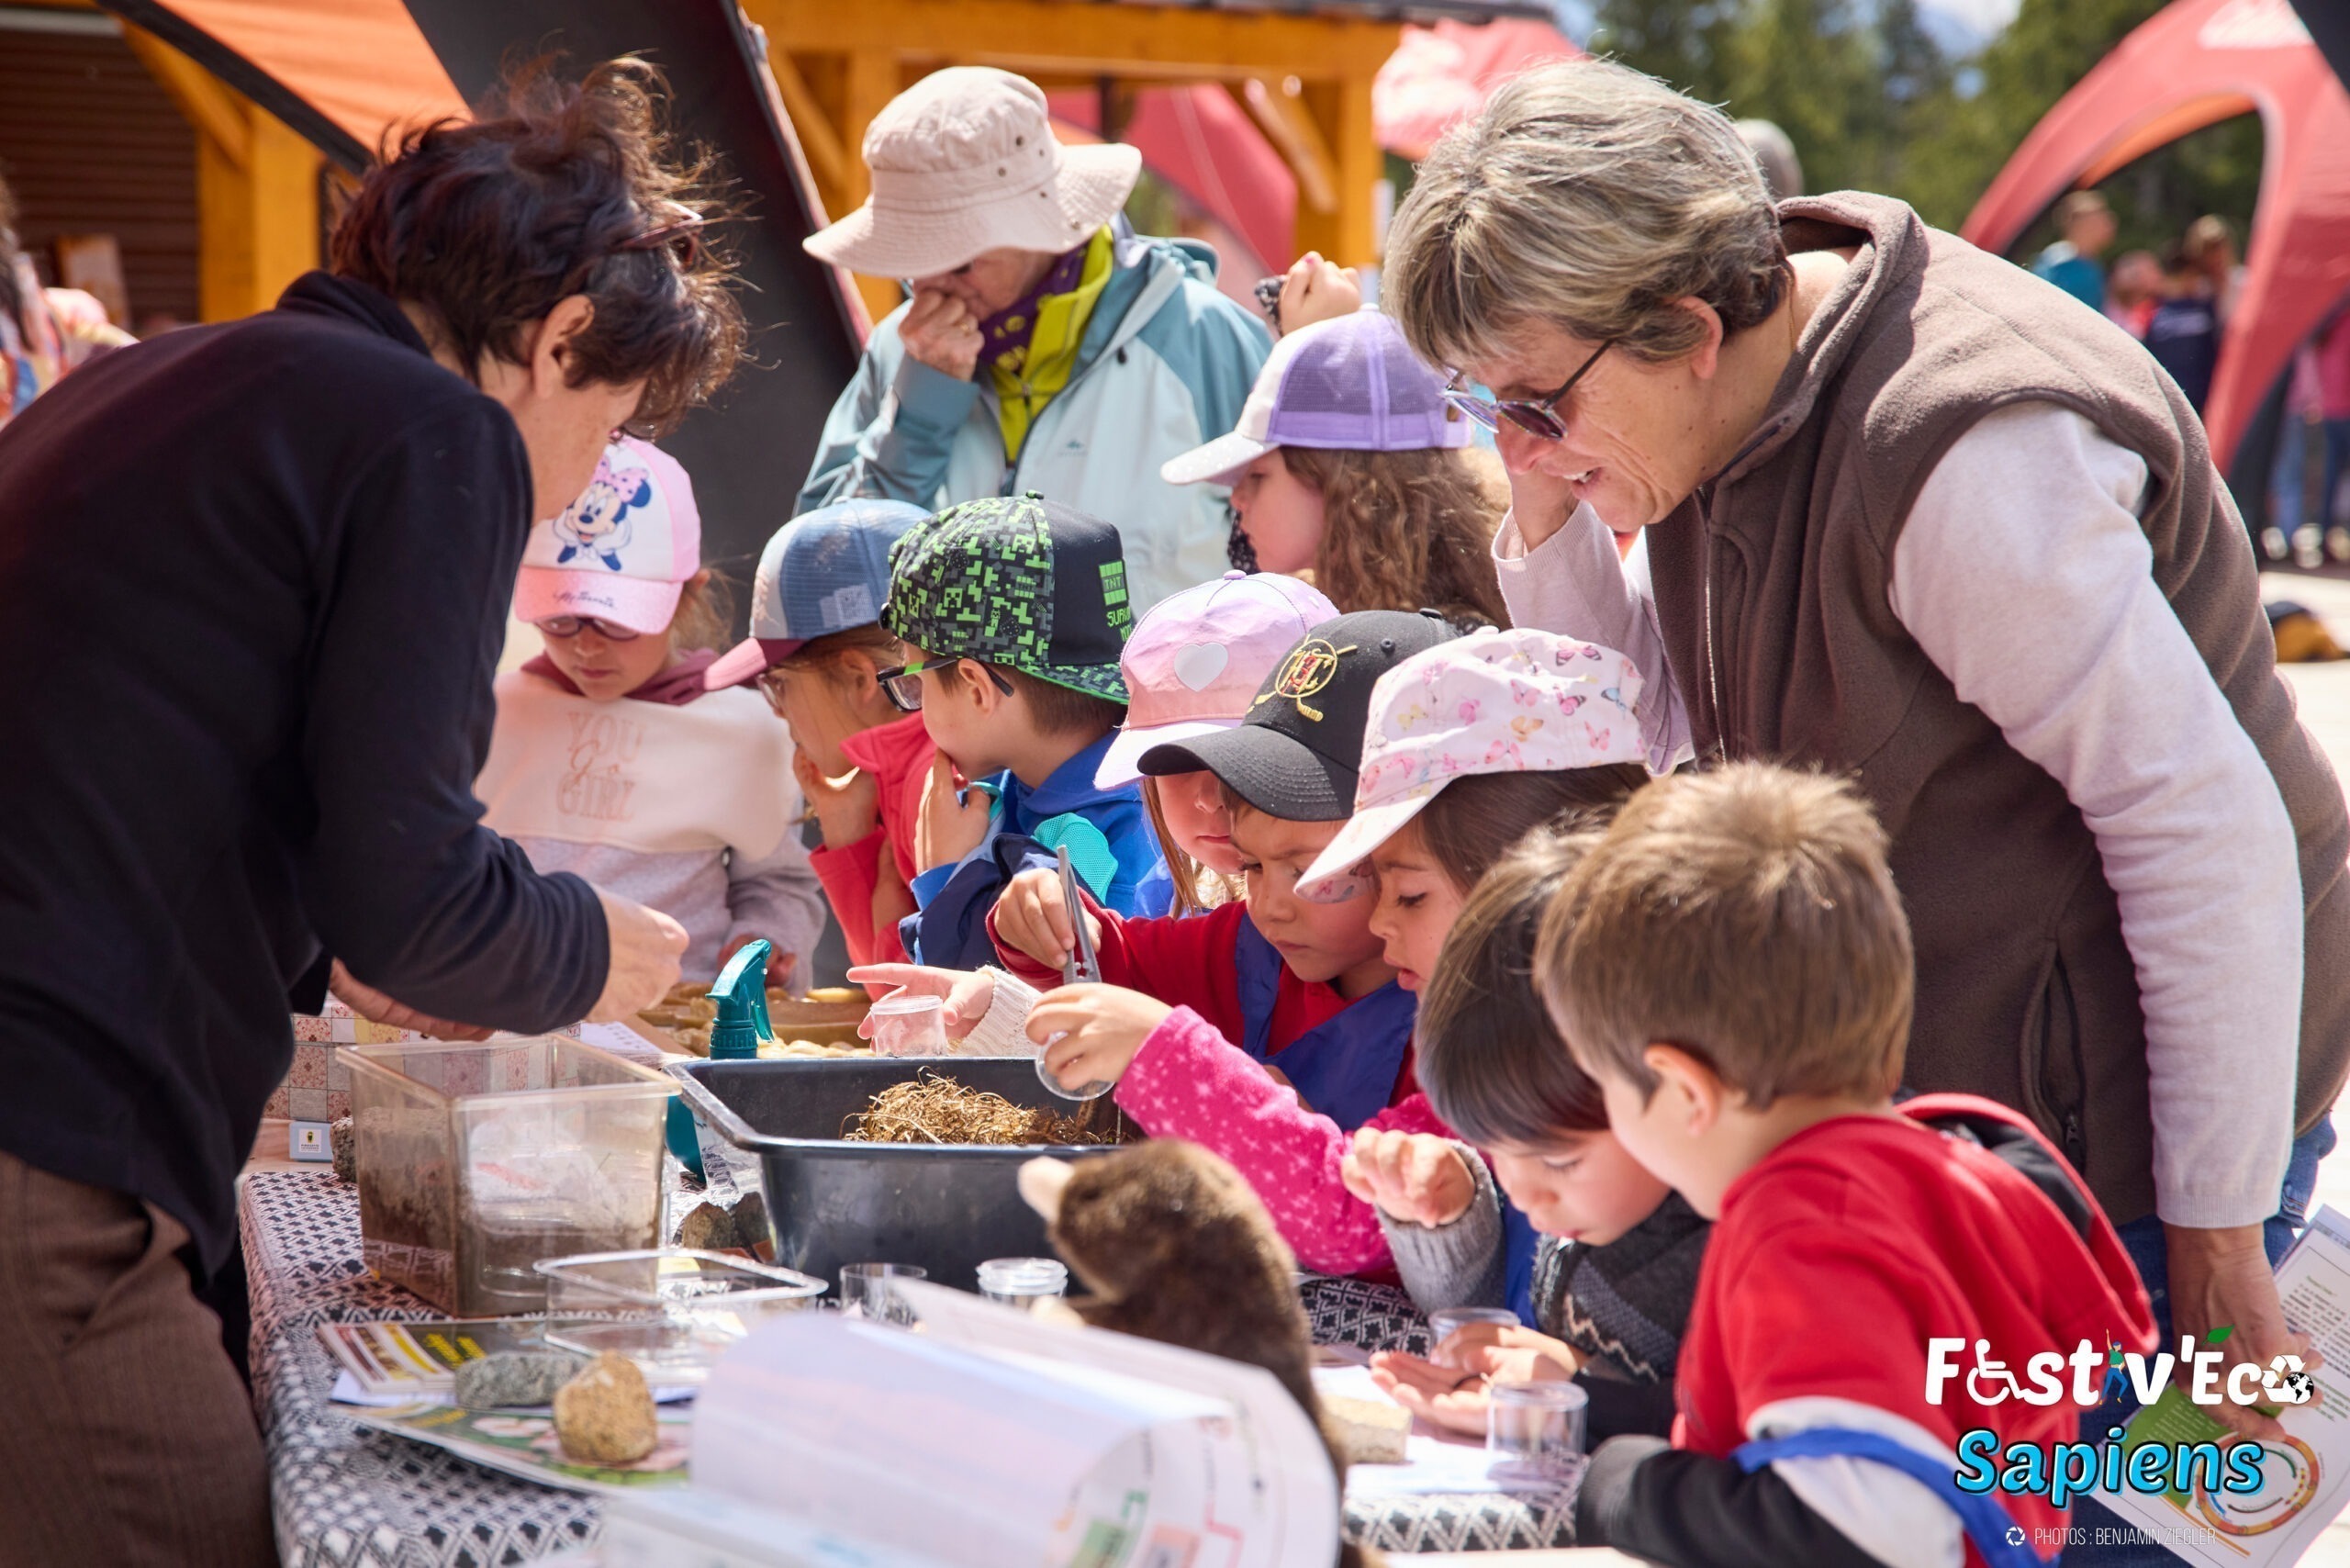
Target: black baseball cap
x=1295, y=754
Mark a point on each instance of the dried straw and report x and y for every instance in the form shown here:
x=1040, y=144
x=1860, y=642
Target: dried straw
x=931, y=1109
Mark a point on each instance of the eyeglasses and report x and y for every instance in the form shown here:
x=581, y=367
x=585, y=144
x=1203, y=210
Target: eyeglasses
x=571, y=626
x=1537, y=418
x=905, y=690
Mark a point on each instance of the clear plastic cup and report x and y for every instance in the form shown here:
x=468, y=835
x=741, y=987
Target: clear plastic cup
x=866, y=1291
x=1533, y=1427
x=909, y=1026
x=1447, y=1321
x=1023, y=1282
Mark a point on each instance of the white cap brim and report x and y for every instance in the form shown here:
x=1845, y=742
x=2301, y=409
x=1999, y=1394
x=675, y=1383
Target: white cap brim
x=1364, y=832
x=1122, y=763
x=1219, y=463
x=1089, y=190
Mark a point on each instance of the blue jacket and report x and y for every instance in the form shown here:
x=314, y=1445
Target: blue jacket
x=1165, y=365
x=1110, y=841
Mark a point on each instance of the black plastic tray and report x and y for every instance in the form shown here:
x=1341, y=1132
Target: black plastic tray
x=947, y=1207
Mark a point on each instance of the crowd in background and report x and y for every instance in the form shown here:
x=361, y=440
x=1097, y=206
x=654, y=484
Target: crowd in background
x=2179, y=303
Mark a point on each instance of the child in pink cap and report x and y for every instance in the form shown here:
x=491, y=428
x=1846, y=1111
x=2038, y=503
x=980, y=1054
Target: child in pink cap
x=612, y=757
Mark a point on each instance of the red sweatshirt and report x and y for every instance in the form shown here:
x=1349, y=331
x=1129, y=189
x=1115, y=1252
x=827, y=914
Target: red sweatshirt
x=898, y=755
x=1189, y=1081
x=1909, y=1233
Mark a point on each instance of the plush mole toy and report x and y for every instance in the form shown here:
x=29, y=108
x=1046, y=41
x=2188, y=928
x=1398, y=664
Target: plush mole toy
x=1176, y=1247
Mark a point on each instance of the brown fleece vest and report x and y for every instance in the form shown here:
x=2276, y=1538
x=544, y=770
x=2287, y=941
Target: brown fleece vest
x=1772, y=586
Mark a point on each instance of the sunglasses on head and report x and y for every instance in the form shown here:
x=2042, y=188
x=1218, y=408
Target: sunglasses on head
x=681, y=238
x=571, y=626
x=1536, y=417
x=904, y=686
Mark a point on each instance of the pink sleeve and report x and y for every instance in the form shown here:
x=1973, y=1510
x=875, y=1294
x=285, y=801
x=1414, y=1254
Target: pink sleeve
x=1189, y=1081
x=849, y=876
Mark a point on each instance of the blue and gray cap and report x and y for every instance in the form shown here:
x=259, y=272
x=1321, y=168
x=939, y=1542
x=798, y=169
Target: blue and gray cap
x=824, y=571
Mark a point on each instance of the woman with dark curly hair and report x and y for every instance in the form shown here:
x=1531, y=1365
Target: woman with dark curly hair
x=257, y=577
x=1347, y=464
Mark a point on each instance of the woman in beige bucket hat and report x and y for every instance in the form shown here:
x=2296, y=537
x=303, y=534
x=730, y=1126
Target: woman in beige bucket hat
x=1044, y=346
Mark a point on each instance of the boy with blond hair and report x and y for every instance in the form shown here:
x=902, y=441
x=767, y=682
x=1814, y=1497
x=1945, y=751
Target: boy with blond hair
x=1732, y=964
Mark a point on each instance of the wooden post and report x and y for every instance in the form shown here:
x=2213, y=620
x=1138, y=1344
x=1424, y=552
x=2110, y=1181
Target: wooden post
x=256, y=187
x=1341, y=111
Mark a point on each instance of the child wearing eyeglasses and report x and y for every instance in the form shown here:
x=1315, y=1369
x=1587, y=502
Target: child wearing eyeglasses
x=817, y=651
x=1013, y=612
x=611, y=757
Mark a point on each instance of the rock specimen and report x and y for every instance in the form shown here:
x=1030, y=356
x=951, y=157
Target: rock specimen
x=511, y=1378
x=605, y=1416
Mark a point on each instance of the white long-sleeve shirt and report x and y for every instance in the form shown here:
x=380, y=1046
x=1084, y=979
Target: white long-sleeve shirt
x=2023, y=574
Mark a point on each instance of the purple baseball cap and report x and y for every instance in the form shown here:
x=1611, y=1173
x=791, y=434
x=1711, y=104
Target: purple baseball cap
x=1350, y=384
x=1194, y=663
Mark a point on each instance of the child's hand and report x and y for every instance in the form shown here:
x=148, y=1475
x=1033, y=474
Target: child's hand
x=1416, y=1177
x=1031, y=917
x=1101, y=1028
x=950, y=828
x=1318, y=290
x=966, y=994
x=1508, y=1354
x=1442, y=1397
x=848, y=811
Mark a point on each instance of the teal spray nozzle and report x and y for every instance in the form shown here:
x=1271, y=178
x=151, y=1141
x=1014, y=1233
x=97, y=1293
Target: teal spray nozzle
x=741, y=1027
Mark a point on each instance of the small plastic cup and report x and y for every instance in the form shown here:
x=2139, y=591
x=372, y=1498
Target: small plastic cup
x=1534, y=1427
x=867, y=1291
x=909, y=1026
x=1023, y=1282
x=1447, y=1321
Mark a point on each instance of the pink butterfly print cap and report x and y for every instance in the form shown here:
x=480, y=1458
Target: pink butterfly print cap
x=1194, y=663
x=1493, y=701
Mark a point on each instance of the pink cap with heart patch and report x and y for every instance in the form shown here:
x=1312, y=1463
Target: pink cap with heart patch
x=1194, y=663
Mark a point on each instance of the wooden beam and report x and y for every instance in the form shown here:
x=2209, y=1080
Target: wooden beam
x=203, y=99
x=819, y=137
x=1150, y=43
x=1281, y=115
x=871, y=80
x=1341, y=111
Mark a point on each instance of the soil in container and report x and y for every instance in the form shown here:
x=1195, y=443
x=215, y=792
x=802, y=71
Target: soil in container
x=931, y=1108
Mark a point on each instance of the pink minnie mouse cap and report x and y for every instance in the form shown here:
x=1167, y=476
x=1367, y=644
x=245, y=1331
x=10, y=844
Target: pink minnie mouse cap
x=1350, y=384
x=620, y=552
x=1492, y=701
x=1194, y=663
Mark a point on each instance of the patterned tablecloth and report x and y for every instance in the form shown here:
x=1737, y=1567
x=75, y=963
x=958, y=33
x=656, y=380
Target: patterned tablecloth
x=347, y=1497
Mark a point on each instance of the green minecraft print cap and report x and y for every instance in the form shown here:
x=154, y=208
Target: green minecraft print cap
x=1016, y=580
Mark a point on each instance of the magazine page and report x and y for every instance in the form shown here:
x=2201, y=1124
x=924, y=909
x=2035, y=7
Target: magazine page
x=2304, y=1481
x=419, y=1358
x=524, y=1444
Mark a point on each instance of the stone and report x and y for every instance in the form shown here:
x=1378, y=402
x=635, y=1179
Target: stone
x=751, y=1227
x=1366, y=1431
x=506, y=1380
x=605, y=1416
x=345, y=1143
x=707, y=1228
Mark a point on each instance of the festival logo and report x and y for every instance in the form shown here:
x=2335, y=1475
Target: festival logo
x=1311, y=666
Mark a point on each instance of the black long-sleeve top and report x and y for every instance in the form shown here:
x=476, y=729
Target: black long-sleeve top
x=254, y=581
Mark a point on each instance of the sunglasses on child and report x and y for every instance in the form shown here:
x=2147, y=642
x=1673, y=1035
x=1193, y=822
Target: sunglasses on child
x=1538, y=417
x=905, y=689
x=571, y=626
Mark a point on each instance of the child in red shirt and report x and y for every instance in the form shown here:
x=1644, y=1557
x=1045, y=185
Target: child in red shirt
x=1732, y=965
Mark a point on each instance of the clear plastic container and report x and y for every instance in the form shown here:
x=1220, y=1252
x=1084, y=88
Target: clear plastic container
x=476, y=1160
x=671, y=1310
x=1023, y=1282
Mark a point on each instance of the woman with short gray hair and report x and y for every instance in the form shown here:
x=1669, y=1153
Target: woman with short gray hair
x=1909, y=512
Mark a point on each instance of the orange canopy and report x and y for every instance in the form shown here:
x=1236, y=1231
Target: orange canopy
x=2196, y=62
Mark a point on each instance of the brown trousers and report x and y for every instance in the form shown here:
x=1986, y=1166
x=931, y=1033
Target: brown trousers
x=126, y=1435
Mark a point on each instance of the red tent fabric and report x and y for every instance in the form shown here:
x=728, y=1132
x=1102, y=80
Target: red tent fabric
x=1441, y=74
x=2193, y=64
x=1201, y=142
